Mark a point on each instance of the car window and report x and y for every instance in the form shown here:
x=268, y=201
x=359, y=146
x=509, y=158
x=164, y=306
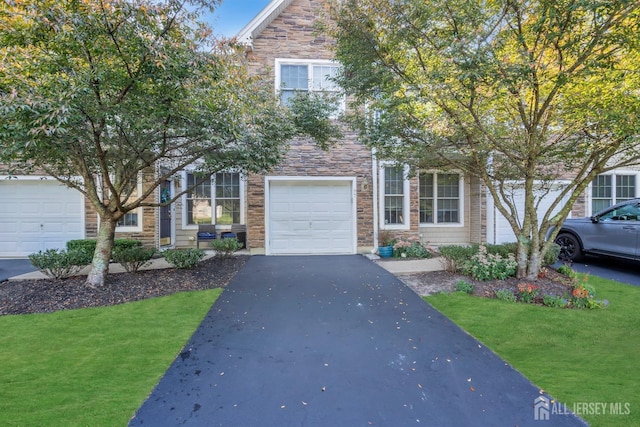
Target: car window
x=630, y=212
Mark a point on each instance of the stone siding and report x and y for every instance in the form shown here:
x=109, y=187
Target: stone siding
x=293, y=35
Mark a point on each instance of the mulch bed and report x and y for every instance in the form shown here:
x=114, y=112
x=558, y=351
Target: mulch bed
x=49, y=295
x=432, y=282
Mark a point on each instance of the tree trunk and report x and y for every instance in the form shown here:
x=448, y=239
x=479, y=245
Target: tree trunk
x=102, y=255
x=522, y=258
x=534, y=264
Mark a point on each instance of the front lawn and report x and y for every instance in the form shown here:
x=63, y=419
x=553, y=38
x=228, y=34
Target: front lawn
x=92, y=367
x=583, y=358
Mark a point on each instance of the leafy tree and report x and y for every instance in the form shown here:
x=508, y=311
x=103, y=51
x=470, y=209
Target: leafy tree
x=519, y=93
x=103, y=93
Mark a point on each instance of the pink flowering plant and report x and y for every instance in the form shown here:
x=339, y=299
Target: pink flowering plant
x=486, y=266
x=410, y=247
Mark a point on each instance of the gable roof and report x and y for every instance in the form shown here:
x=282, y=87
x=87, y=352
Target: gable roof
x=262, y=20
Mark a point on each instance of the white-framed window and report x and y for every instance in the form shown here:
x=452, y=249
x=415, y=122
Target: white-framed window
x=609, y=189
x=198, y=200
x=217, y=199
x=132, y=220
x=441, y=201
x=394, y=197
x=227, y=200
x=294, y=75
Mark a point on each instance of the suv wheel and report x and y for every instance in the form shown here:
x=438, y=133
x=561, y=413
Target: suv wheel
x=570, y=249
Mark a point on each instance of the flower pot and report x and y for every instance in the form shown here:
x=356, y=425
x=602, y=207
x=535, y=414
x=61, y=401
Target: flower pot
x=385, y=251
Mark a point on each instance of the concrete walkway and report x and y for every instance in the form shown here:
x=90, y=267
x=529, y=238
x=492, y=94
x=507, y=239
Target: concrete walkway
x=336, y=341
x=15, y=269
x=401, y=266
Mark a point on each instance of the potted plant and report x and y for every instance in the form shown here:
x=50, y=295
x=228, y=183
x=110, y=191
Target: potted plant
x=385, y=250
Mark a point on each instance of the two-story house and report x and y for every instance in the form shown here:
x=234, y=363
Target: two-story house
x=316, y=202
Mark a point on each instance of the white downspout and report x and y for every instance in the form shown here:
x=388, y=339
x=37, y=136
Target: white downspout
x=374, y=177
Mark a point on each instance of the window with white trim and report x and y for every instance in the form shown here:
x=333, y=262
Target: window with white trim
x=198, y=200
x=440, y=198
x=609, y=189
x=293, y=76
x=226, y=197
x=394, y=200
x=131, y=221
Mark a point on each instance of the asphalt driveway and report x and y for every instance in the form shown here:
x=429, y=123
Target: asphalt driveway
x=14, y=267
x=335, y=341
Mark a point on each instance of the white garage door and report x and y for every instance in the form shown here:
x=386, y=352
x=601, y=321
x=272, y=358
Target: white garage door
x=503, y=231
x=311, y=217
x=37, y=215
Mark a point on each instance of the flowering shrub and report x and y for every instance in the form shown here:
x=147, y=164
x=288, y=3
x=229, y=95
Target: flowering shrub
x=410, y=248
x=580, y=292
x=485, y=266
x=527, y=292
x=584, y=296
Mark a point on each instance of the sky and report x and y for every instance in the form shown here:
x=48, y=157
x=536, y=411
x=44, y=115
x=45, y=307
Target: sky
x=232, y=15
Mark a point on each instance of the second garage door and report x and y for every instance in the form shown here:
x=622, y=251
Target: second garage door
x=503, y=231
x=311, y=217
x=36, y=215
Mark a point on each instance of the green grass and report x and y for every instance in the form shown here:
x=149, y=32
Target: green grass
x=577, y=356
x=92, y=367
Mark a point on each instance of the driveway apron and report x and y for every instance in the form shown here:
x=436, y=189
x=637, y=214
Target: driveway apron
x=336, y=341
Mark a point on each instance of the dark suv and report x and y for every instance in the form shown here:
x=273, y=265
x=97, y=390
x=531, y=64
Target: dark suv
x=613, y=231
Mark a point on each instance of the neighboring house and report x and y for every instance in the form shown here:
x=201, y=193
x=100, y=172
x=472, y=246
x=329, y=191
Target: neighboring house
x=315, y=202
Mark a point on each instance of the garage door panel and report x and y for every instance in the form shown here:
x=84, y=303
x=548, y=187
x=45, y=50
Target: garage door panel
x=321, y=207
x=504, y=233
x=308, y=217
x=38, y=215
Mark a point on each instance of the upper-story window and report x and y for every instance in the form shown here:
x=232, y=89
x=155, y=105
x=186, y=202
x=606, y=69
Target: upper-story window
x=607, y=190
x=293, y=76
x=223, y=205
x=440, y=198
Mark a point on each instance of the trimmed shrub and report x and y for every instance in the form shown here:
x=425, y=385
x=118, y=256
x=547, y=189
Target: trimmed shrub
x=133, y=258
x=59, y=264
x=225, y=247
x=184, y=258
x=88, y=246
x=84, y=245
